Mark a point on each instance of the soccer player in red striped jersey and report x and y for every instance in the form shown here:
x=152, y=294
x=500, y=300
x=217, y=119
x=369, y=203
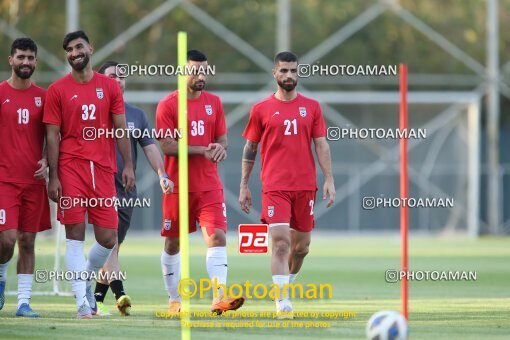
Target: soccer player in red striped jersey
x=24, y=205
x=285, y=124
x=82, y=163
x=207, y=139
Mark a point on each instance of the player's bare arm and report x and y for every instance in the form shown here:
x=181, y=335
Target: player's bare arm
x=52, y=142
x=40, y=173
x=324, y=158
x=128, y=174
x=153, y=156
x=249, y=155
x=218, y=150
x=169, y=147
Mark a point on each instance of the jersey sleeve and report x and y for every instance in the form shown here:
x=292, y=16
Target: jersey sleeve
x=220, y=126
x=319, y=125
x=165, y=118
x=52, y=107
x=253, y=130
x=145, y=139
x=117, y=101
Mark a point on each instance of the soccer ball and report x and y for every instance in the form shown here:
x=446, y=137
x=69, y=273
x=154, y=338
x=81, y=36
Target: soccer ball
x=387, y=325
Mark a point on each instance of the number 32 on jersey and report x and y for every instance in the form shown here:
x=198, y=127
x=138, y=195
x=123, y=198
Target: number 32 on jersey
x=88, y=112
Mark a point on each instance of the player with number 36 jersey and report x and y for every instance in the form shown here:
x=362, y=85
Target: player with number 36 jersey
x=207, y=144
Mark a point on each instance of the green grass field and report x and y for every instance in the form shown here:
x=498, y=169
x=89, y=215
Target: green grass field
x=354, y=266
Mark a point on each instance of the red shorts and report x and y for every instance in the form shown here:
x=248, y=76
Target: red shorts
x=207, y=208
x=294, y=208
x=83, y=179
x=24, y=207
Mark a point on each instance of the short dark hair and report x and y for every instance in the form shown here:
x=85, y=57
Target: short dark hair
x=23, y=44
x=74, y=35
x=195, y=55
x=285, y=57
x=106, y=65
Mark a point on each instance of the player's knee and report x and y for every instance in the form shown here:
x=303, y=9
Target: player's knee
x=77, y=233
x=107, y=242
x=110, y=243
x=7, y=247
x=172, y=245
x=281, y=247
x=26, y=244
x=301, y=250
x=216, y=240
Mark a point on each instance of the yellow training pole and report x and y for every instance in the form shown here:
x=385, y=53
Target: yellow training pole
x=182, y=42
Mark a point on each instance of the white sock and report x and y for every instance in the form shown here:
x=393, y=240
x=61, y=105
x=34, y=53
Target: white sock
x=216, y=263
x=24, y=288
x=171, y=268
x=3, y=271
x=75, y=262
x=292, y=277
x=97, y=258
x=281, y=280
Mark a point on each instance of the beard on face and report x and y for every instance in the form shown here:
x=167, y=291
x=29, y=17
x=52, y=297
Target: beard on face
x=79, y=66
x=288, y=84
x=198, y=86
x=22, y=71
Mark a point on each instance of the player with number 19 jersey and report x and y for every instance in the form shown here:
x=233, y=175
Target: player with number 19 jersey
x=285, y=130
x=87, y=160
x=22, y=131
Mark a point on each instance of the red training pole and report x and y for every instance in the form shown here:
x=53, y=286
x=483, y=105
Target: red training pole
x=404, y=188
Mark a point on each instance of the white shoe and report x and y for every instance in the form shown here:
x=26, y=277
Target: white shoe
x=84, y=312
x=284, y=309
x=91, y=299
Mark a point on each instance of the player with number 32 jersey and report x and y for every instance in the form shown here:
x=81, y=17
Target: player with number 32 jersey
x=81, y=110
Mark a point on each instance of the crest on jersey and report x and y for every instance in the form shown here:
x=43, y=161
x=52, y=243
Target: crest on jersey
x=208, y=110
x=131, y=125
x=99, y=93
x=270, y=210
x=168, y=224
x=302, y=111
x=38, y=101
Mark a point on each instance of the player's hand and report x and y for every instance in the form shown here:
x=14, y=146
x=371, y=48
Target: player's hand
x=215, y=152
x=329, y=189
x=54, y=189
x=166, y=184
x=43, y=167
x=128, y=178
x=245, y=199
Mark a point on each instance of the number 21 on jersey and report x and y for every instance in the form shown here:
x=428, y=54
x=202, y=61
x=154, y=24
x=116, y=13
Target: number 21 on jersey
x=290, y=127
